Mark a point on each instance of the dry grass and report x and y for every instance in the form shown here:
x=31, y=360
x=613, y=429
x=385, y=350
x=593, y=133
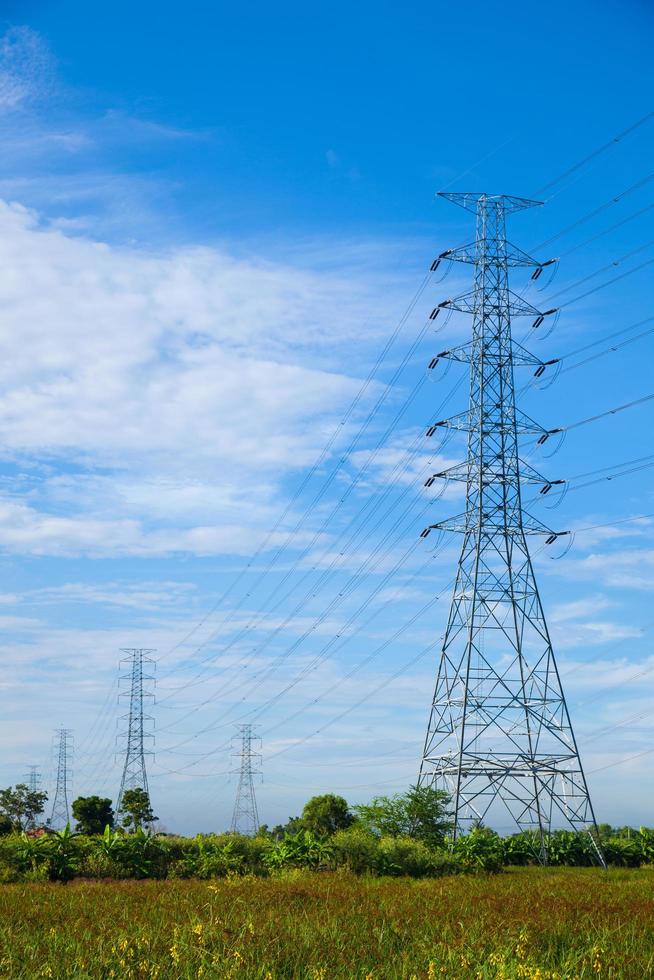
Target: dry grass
x=527, y=923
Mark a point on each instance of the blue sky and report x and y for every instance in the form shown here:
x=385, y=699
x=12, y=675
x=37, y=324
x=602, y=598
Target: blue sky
x=209, y=227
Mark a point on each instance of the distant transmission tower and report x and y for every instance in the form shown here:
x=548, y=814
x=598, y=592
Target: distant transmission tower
x=136, y=735
x=245, y=819
x=499, y=737
x=33, y=779
x=60, y=815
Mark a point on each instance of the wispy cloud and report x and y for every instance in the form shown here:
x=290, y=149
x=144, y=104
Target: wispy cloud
x=26, y=69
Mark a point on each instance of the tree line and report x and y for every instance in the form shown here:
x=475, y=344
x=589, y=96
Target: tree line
x=21, y=809
x=403, y=834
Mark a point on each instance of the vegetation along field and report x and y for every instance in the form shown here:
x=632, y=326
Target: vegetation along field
x=524, y=923
x=376, y=891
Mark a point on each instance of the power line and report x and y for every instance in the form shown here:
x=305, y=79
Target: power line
x=594, y=154
x=321, y=457
x=642, y=182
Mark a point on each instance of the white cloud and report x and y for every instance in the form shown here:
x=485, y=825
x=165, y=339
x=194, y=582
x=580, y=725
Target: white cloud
x=176, y=385
x=565, y=611
x=139, y=596
x=631, y=568
x=25, y=68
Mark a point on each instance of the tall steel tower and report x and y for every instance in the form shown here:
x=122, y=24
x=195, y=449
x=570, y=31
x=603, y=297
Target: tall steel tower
x=33, y=779
x=499, y=738
x=136, y=736
x=60, y=815
x=245, y=819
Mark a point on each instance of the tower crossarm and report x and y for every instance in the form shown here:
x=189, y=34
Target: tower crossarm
x=511, y=254
x=517, y=354
x=494, y=521
x=512, y=304
x=494, y=472
x=486, y=419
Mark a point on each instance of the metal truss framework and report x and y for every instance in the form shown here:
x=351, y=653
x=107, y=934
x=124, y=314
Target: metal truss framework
x=60, y=815
x=499, y=736
x=136, y=736
x=245, y=819
x=33, y=779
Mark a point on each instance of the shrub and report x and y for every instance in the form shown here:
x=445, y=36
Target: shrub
x=301, y=850
x=480, y=850
x=622, y=852
x=356, y=849
x=405, y=856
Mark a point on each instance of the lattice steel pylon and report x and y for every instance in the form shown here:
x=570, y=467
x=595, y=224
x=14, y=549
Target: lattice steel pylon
x=33, y=779
x=60, y=815
x=136, y=735
x=245, y=819
x=499, y=736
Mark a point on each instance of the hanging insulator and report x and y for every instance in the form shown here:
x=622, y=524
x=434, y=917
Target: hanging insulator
x=537, y=322
x=430, y=431
x=435, y=264
x=538, y=271
x=544, y=364
x=543, y=439
x=434, y=313
x=545, y=489
x=433, y=362
x=551, y=539
x=430, y=481
x=425, y=533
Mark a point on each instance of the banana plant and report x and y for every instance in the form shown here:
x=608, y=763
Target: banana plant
x=61, y=853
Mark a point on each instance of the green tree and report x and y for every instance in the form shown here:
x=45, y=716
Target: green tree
x=93, y=814
x=421, y=813
x=22, y=806
x=136, y=809
x=324, y=815
x=292, y=826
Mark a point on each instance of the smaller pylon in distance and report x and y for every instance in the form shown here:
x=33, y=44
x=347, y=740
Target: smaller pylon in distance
x=33, y=778
x=245, y=819
x=60, y=815
x=137, y=736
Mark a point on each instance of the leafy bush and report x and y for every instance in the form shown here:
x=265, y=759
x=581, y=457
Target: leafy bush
x=405, y=856
x=480, y=850
x=356, y=849
x=301, y=850
x=646, y=844
x=420, y=813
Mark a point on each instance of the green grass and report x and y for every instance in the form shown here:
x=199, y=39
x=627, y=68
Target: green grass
x=527, y=923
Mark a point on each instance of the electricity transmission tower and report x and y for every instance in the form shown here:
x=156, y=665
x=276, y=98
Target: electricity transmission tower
x=33, y=778
x=245, y=819
x=499, y=738
x=136, y=735
x=60, y=815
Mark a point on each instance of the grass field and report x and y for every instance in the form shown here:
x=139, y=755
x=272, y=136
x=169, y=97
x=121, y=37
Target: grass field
x=528, y=923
